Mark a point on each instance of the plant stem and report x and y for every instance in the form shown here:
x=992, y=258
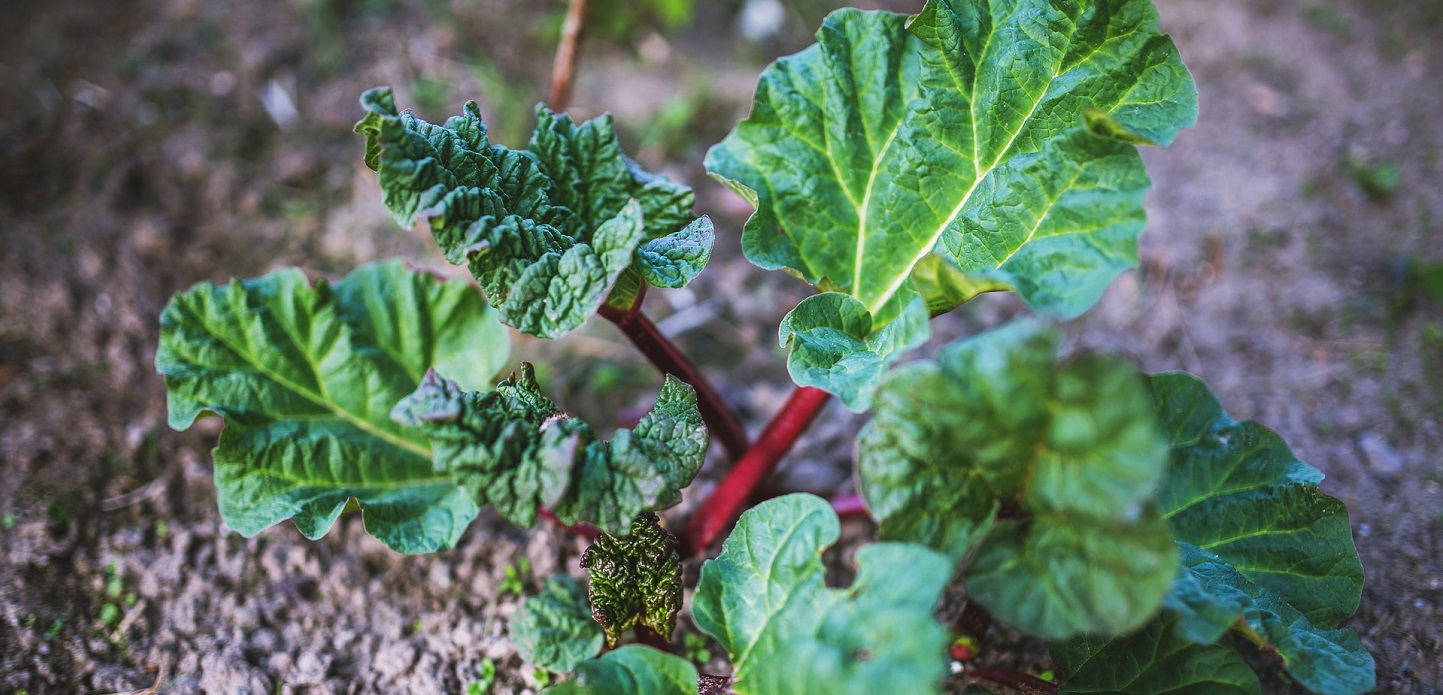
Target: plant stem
x=1013, y=681
x=851, y=506
x=651, y=638
x=565, y=65
x=586, y=531
x=719, y=509
x=723, y=422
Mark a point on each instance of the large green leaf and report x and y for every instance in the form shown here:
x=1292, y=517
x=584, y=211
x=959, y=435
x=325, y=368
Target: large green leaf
x=766, y=601
x=305, y=377
x=549, y=232
x=636, y=579
x=1000, y=135
x=1154, y=661
x=512, y=448
x=631, y=670
x=1263, y=551
x=554, y=629
x=1044, y=473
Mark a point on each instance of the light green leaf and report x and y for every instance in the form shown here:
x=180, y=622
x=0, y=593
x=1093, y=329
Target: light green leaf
x=765, y=600
x=554, y=629
x=1070, y=452
x=1153, y=661
x=834, y=348
x=305, y=378
x=631, y=670
x=636, y=579
x=547, y=234
x=963, y=131
x=513, y=449
x=673, y=260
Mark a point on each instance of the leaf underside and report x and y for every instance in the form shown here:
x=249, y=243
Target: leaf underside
x=513, y=449
x=1042, y=474
x=765, y=600
x=554, y=629
x=998, y=136
x=547, y=232
x=305, y=377
x=1263, y=553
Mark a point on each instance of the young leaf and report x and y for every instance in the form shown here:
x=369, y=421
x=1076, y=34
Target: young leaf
x=304, y=377
x=833, y=346
x=554, y=629
x=1043, y=472
x=513, y=449
x=631, y=670
x=999, y=137
x=636, y=579
x=765, y=600
x=1153, y=661
x=547, y=234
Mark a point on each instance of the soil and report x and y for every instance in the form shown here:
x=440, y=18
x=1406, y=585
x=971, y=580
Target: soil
x=146, y=145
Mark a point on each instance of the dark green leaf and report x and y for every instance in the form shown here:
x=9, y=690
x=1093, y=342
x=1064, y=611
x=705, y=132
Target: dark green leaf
x=1001, y=137
x=1153, y=661
x=554, y=629
x=1069, y=451
x=631, y=670
x=635, y=579
x=549, y=234
x=305, y=378
x=513, y=449
x=765, y=600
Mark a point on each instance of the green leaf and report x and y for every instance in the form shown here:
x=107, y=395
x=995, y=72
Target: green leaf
x=1044, y=473
x=1002, y=141
x=554, y=629
x=833, y=345
x=305, y=376
x=512, y=448
x=631, y=670
x=636, y=579
x=1153, y=661
x=1263, y=549
x=1237, y=491
x=765, y=600
x=549, y=232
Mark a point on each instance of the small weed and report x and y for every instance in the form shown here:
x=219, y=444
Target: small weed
x=483, y=682
x=697, y=650
x=541, y=676
x=7, y=522
x=1378, y=179
x=516, y=575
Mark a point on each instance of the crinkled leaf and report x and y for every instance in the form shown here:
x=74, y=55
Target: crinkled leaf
x=305, y=376
x=635, y=579
x=834, y=348
x=1153, y=661
x=554, y=629
x=1000, y=136
x=673, y=260
x=764, y=598
x=513, y=449
x=547, y=234
x=1070, y=451
x=1259, y=541
x=631, y=670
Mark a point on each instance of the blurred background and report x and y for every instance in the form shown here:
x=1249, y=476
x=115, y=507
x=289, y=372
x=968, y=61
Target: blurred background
x=1294, y=260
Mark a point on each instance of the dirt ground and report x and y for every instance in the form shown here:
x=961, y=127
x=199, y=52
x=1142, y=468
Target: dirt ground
x=146, y=145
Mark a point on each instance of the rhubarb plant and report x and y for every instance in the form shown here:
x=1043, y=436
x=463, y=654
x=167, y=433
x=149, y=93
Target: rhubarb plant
x=901, y=166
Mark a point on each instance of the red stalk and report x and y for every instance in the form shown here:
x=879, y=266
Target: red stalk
x=718, y=510
x=723, y=422
x=1013, y=681
x=851, y=506
x=586, y=531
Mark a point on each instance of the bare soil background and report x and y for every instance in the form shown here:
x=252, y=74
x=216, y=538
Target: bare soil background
x=146, y=145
